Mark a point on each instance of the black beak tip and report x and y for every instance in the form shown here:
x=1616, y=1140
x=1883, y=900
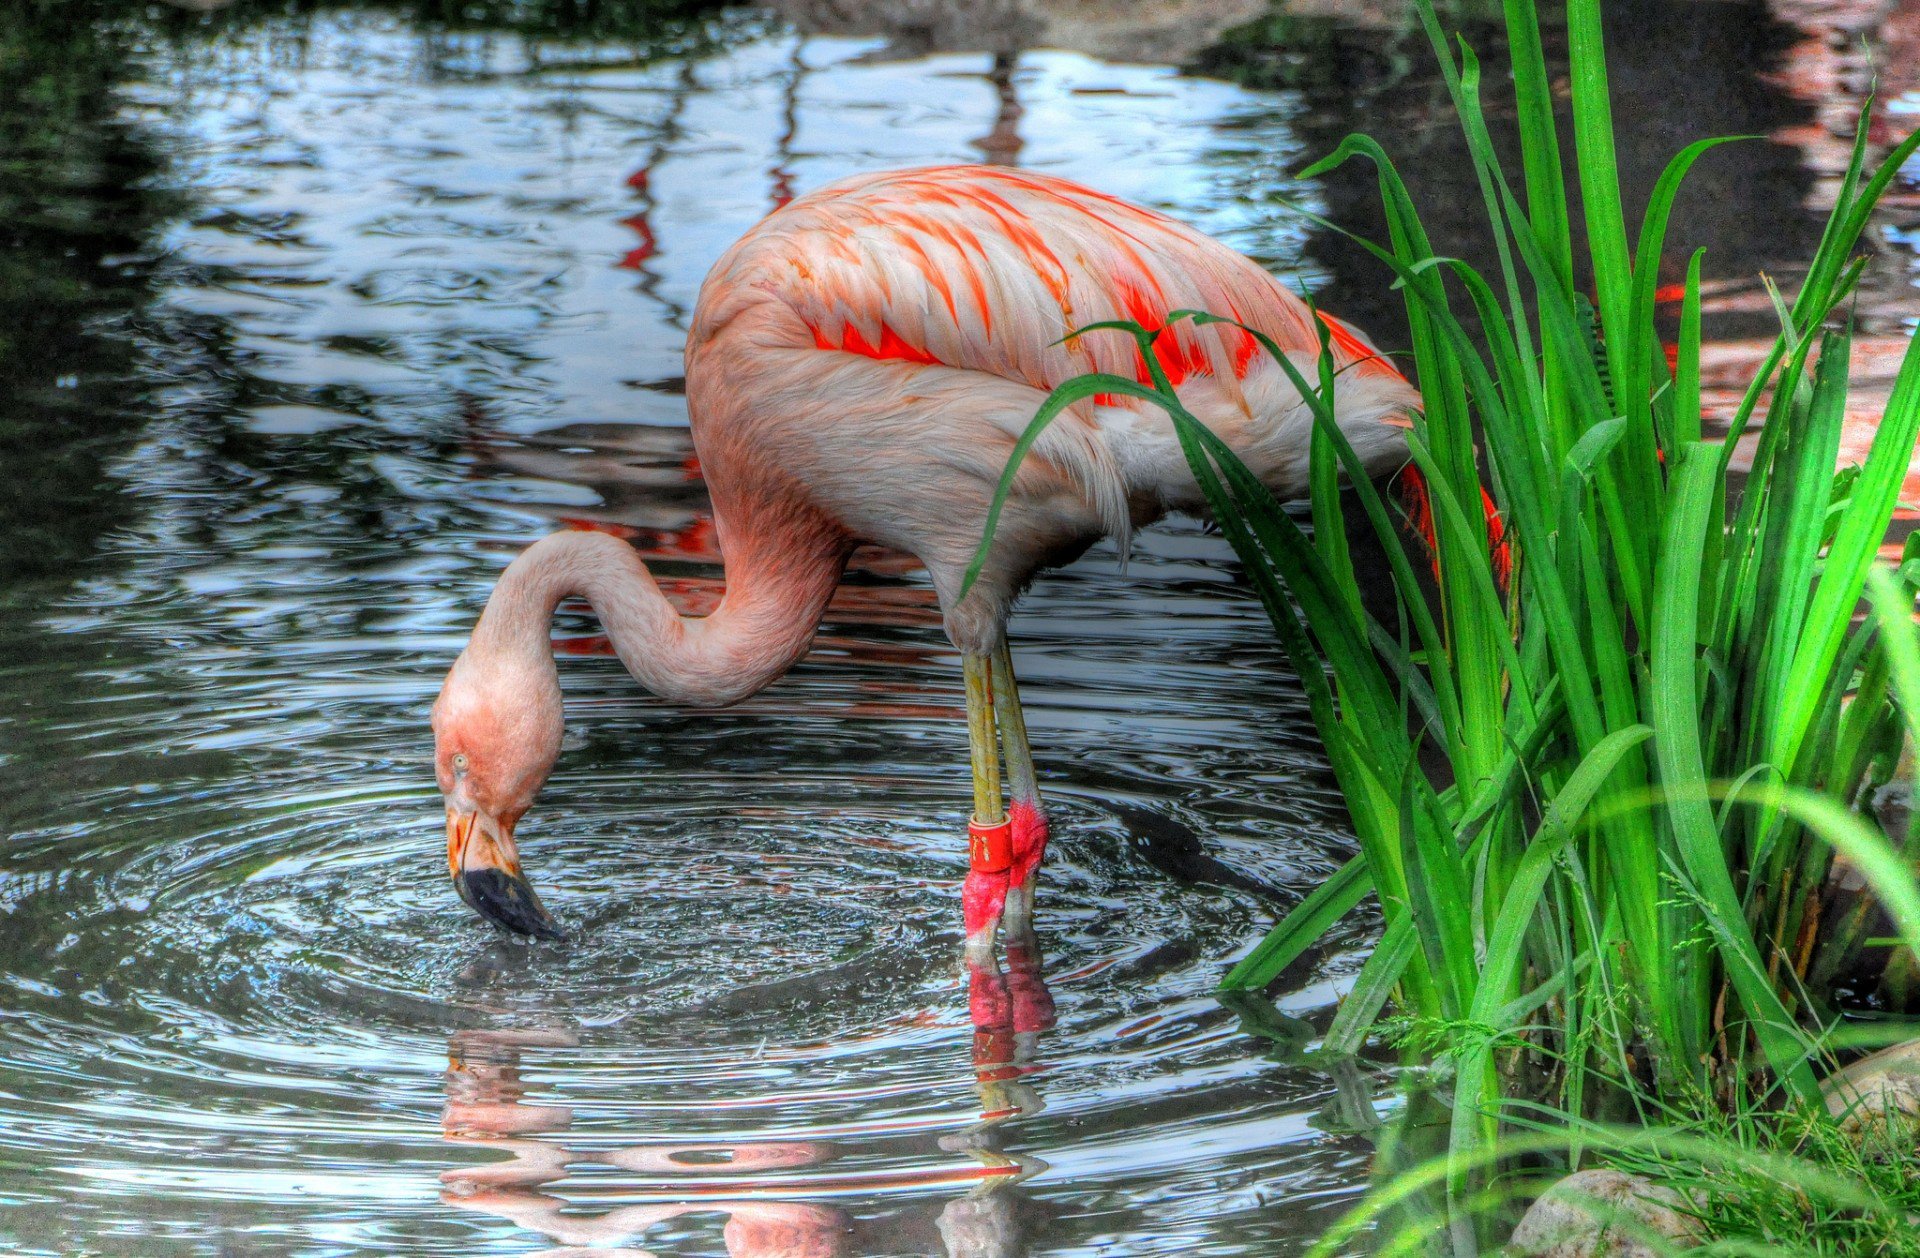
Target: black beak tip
x=508, y=902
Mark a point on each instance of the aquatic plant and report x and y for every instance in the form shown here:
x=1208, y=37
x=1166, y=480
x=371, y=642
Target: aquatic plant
x=1597, y=777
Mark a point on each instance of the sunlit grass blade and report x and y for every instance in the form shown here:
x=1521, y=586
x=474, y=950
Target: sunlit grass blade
x=1301, y=928
x=1862, y=529
x=1675, y=691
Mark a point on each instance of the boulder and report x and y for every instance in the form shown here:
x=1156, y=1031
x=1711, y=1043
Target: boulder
x=1878, y=1095
x=1604, y=1214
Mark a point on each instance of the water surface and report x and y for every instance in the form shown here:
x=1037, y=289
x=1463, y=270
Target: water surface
x=323, y=319
x=425, y=302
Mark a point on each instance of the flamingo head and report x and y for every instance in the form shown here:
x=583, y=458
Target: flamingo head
x=496, y=733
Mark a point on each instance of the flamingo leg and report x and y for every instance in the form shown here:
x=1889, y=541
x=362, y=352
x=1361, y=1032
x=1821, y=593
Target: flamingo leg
x=1023, y=785
x=981, y=714
x=989, y=857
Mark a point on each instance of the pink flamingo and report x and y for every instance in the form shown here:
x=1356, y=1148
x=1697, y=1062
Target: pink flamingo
x=859, y=367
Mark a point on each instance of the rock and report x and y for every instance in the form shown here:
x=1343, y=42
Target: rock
x=1878, y=1095
x=1892, y=800
x=982, y=1227
x=1604, y=1214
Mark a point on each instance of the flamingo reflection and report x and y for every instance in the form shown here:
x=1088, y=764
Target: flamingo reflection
x=487, y=1107
x=761, y=1187
x=1010, y=1010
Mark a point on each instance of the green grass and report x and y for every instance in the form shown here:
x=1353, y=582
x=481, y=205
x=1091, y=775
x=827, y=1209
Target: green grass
x=1757, y=1180
x=1597, y=806
x=1810, y=1190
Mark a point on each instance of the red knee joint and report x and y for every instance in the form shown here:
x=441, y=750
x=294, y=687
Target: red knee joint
x=989, y=845
x=1029, y=839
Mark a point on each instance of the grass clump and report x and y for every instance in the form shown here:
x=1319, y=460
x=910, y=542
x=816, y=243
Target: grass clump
x=1778, y=1198
x=1597, y=796
x=1758, y=1180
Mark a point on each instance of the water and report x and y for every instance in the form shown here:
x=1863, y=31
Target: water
x=323, y=319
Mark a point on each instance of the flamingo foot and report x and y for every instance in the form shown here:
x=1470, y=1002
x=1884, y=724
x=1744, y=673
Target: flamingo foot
x=982, y=899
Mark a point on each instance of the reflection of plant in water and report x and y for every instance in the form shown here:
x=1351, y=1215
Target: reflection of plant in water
x=77, y=208
x=1731, y=76
x=671, y=27
x=84, y=192
x=1287, y=49
x=645, y=30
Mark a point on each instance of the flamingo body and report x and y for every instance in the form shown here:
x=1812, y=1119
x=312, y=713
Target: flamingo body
x=859, y=367
x=878, y=346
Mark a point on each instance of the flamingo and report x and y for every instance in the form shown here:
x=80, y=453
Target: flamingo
x=858, y=369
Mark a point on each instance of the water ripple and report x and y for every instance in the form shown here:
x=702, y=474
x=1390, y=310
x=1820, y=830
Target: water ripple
x=428, y=305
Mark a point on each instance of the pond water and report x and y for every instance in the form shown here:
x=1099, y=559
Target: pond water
x=313, y=322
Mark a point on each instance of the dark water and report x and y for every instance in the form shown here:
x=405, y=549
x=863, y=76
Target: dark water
x=312, y=322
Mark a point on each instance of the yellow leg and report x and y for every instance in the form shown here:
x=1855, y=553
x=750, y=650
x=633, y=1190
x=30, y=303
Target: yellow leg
x=988, y=809
x=1022, y=783
x=985, y=893
x=1023, y=786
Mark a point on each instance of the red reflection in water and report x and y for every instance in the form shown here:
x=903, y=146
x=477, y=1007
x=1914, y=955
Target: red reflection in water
x=648, y=246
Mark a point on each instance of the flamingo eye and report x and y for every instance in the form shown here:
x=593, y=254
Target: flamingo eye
x=459, y=762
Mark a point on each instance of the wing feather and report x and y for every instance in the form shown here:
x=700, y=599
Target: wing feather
x=988, y=269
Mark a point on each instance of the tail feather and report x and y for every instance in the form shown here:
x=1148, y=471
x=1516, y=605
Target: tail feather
x=1418, y=500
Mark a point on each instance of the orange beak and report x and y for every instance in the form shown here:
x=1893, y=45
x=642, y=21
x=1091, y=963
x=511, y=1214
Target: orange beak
x=486, y=872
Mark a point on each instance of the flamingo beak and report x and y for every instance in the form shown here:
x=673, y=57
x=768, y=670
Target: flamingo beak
x=486, y=873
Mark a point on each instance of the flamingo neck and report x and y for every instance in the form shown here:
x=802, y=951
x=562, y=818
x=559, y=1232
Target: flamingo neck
x=764, y=623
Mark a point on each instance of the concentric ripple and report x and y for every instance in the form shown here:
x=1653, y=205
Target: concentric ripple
x=759, y=1017
x=422, y=302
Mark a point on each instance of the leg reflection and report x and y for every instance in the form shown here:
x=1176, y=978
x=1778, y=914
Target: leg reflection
x=486, y=1107
x=1010, y=1009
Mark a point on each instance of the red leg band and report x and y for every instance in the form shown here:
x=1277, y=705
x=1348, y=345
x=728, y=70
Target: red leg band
x=989, y=847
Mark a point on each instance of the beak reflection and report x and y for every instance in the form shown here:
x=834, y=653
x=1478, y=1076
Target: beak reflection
x=486, y=872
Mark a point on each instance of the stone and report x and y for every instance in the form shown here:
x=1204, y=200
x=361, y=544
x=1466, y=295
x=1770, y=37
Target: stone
x=1603, y=1213
x=1879, y=1095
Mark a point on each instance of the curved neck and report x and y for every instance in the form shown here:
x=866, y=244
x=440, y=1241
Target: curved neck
x=764, y=623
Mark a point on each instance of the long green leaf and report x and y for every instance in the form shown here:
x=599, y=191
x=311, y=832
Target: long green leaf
x=1371, y=989
x=1862, y=529
x=1303, y=925
x=1675, y=717
x=1516, y=917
